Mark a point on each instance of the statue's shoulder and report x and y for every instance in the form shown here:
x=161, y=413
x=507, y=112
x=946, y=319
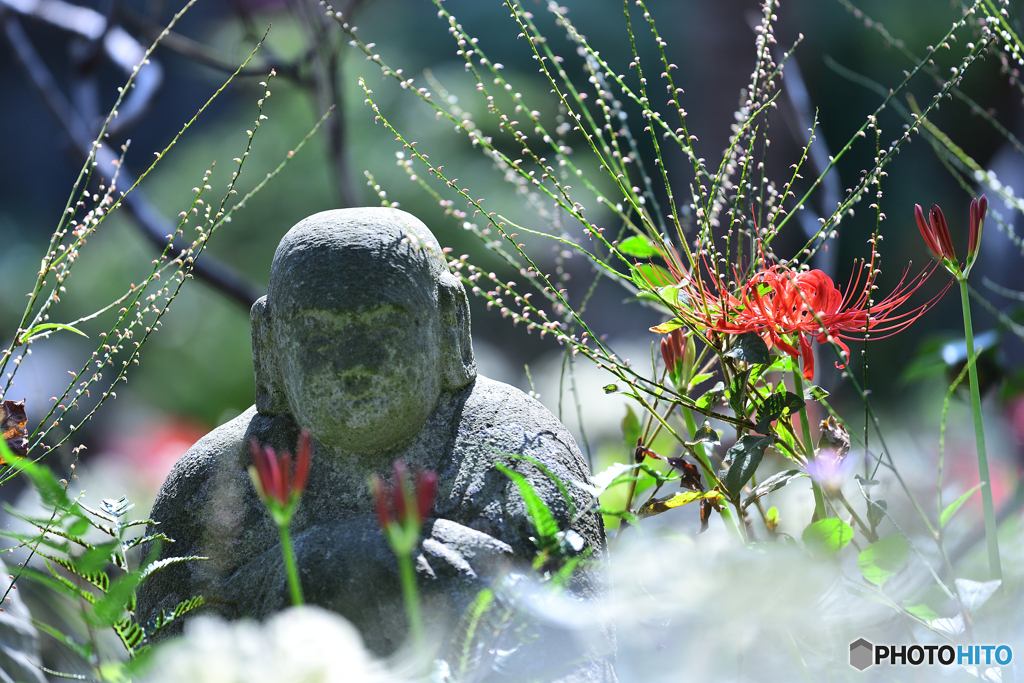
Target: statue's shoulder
x=501, y=425
x=222, y=447
x=507, y=418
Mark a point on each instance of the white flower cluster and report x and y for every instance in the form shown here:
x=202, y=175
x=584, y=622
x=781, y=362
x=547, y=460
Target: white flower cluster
x=303, y=644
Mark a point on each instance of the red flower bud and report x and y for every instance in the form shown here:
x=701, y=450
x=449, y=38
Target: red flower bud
x=941, y=231
x=979, y=207
x=277, y=480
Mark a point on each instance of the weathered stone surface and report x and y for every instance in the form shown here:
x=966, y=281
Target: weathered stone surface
x=364, y=340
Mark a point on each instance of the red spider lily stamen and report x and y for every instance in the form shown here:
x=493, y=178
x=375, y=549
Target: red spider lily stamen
x=788, y=309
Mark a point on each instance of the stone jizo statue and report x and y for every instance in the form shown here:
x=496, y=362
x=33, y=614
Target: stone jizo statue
x=364, y=340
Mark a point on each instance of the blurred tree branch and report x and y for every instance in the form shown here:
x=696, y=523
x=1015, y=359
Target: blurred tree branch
x=96, y=37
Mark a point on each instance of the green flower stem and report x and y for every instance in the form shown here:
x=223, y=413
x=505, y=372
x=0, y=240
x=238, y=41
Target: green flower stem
x=289, y=565
x=698, y=448
x=991, y=530
x=411, y=596
x=805, y=426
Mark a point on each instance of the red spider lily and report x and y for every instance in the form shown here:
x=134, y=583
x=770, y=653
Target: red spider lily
x=404, y=503
x=778, y=302
x=936, y=235
x=272, y=474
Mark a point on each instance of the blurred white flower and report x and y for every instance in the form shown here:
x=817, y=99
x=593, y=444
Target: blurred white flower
x=302, y=644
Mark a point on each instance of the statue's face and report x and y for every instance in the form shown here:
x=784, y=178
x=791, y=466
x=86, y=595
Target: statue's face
x=365, y=379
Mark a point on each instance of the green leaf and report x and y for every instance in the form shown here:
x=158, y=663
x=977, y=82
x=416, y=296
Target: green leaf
x=707, y=435
x=826, y=537
x=778, y=405
x=658, y=506
x=111, y=607
x=50, y=490
x=814, y=393
x=883, y=559
x=668, y=326
x=638, y=246
x=97, y=558
x=711, y=397
x=182, y=608
x=648, y=276
x=773, y=483
x=751, y=348
x=738, y=392
x=922, y=611
x=876, y=512
x=154, y=567
x=130, y=633
x=951, y=509
x=745, y=456
x=697, y=379
x=50, y=326
x=540, y=515
x=630, y=430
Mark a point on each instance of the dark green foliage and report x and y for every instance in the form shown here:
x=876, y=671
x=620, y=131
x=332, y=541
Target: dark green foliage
x=751, y=348
x=745, y=456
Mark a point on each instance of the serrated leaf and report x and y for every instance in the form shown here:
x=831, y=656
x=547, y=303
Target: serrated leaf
x=667, y=326
x=99, y=579
x=658, y=506
x=638, y=246
x=826, y=537
x=163, y=538
x=951, y=509
x=538, y=511
x=777, y=406
x=181, y=609
x=883, y=559
x=745, y=456
x=97, y=558
x=749, y=347
x=130, y=633
x=773, y=483
x=154, y=567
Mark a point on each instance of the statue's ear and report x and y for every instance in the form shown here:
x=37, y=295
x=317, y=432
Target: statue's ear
x=459, y=367
x=270, y=397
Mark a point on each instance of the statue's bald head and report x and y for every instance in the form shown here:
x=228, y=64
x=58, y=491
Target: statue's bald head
x=362, y=329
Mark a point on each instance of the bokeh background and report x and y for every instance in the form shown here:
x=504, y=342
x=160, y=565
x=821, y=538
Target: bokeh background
x=196, y=373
